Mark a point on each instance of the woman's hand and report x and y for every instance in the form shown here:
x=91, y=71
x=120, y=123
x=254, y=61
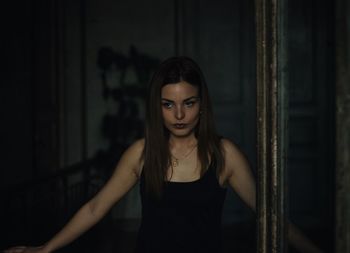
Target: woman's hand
x=24, y=249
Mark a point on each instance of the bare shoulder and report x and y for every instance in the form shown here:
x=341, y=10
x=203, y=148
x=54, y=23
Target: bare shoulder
x=133, y=155
x=136, y=148
x=229, y=148
x=233, y=156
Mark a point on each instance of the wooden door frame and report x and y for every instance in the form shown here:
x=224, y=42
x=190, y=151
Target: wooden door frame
x=271, y=125
x=271, y=84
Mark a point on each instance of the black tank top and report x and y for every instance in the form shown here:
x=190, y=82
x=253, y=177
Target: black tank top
x=186, y=219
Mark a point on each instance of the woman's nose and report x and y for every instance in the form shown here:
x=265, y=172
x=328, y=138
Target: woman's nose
x=179, y=113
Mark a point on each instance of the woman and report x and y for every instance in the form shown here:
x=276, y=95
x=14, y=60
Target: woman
x=183, y=168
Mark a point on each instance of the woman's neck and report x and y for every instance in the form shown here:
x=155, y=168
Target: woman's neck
x=182, y=142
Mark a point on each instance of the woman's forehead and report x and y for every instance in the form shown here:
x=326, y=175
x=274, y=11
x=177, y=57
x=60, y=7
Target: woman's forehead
x=180, y=90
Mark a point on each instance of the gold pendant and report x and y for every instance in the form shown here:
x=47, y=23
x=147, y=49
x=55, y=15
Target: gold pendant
x=175, y=162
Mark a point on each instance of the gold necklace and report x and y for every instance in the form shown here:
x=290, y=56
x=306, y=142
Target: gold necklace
x=175, y=160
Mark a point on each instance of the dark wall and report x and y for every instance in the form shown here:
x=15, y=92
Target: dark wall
x=311, y=155
x=16, y=94
x=311, y=112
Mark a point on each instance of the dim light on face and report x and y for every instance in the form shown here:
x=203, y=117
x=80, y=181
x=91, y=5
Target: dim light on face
x=180, y=108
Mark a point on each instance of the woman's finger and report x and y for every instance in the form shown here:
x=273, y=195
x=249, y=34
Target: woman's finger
x=17, y=249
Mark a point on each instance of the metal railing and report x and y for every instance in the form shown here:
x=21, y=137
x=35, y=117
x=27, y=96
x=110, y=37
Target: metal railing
x=31, y=212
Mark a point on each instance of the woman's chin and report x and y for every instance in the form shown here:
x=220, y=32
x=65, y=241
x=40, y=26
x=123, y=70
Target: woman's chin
x=181, y=133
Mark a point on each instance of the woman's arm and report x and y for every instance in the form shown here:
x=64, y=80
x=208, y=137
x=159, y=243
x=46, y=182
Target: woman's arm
x=123, y=179
x=238, y=174
x=240, y=177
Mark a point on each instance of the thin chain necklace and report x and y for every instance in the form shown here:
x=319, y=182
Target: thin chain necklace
x=175, y=161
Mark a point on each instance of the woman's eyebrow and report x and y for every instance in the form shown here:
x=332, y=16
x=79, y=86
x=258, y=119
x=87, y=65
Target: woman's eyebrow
x=168, y=100
x=186, y=99
x=193, y=97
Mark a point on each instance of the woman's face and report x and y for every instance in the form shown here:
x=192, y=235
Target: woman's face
x=180, y=108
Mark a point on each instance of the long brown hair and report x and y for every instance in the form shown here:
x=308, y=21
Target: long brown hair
x=156, y=153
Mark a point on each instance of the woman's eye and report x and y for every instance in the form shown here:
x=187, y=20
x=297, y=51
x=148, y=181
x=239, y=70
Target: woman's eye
x=167, y=105
x=189, y=103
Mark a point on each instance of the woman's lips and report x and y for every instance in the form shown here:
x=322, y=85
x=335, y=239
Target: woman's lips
x=180, y=126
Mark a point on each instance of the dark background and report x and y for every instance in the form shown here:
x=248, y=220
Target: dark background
x=74, y=79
